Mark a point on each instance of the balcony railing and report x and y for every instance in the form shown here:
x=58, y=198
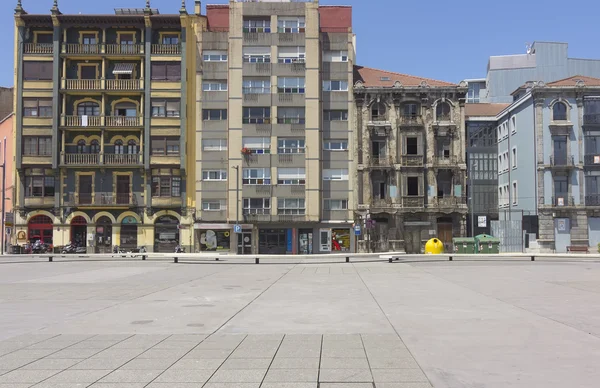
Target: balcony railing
x=443, y=118
x=591, y=119
x=563, y=200
x=592, y=200
x=124, y=49
x=122, y=159
x=83, y=49
x=413, y=201
x=449, y=202
x=38, y=48
x=83, y=121
x=593, y=159
x=124, y=84
x=123, y=121
x=103, y=48
x=102, y=199
x=383, y=161
x=559, y=117
x=166, y=49
x=411, y=120
x=381, y=202
x=83, y=84
x=562, y=160
x=411, y=160
x=81, y=159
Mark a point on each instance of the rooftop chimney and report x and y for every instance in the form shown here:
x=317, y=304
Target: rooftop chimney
x=198, y=7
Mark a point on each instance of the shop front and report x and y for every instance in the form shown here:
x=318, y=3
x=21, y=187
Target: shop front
x=166, y=234
x=214, y=240
x=40, y=228
x=79, y=231
x=104, y=235
x=305, y=241
x=274, y=241
x=129, y=233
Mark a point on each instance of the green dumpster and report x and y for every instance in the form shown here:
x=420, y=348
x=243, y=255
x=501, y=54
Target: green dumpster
x=487, y=244
x=464, y=245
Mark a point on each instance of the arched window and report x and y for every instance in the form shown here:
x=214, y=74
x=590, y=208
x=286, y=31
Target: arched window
x=442, y=111
x=119, y=149
x=378, y=111
x=95, y=147
x=82, y=147
x=88, y=108
x=559, y=111
x=131, y=147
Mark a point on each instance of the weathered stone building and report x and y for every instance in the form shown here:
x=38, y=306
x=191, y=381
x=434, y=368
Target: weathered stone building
x=410, y=153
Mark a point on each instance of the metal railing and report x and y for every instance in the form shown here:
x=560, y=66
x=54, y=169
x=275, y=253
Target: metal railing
x=592, y=200
x=38, y=48
x=592, y=159
x=122, y=159
x=78, y=121
x=563, y=200
x=124, y=49
x=593, y=118
x=82, y=159
x=166, y=49
x=562, y=160
x=83, y=84
x=124, y=84
x=123, y=121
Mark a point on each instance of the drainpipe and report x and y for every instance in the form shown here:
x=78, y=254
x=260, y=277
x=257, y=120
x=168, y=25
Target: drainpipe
x=509, y=167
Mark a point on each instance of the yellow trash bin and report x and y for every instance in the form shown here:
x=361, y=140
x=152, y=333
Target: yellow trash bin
x=434, y=247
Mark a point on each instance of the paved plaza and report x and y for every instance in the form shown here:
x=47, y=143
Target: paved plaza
x=417, y=324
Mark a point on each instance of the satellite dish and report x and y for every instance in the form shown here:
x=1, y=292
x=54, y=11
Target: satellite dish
x=528, y=48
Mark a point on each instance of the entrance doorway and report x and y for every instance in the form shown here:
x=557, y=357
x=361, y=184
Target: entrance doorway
x=104, y=235
x=40, y=228
x=305, y=241
x=166, y=234
x=129, y=231
x=562, y=234
x=245, y=243
x=123, y=189
x=79, y=231
x=272, y=241
x=444, y=227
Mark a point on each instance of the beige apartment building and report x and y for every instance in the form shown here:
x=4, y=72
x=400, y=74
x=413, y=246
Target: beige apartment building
x=410, y=155
x=273, y=135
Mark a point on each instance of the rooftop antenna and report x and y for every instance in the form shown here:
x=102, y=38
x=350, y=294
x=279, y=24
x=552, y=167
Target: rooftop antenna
x=528, y=47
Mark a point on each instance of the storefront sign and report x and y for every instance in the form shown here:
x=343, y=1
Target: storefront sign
x=340, y=240
x=482, y=221
x=21, y=236
x=215, y=240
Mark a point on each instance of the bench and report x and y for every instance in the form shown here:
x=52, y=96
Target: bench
x=578, y=248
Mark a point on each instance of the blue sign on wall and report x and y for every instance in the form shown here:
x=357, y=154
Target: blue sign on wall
x=289, y=239
x=357, y=230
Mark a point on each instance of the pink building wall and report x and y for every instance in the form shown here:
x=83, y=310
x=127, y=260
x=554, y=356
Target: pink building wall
x=6, y=132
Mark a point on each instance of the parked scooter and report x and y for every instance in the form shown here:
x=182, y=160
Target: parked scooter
x=179, y=249
x=71, y=248
x=38, y=247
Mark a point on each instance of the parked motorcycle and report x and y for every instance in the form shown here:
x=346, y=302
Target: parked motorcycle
x=71, y=248
x=179, y=249
x=38, y=248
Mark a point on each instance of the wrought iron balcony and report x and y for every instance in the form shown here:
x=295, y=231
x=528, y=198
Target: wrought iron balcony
x=591, y=119
x=592, y=160
x=563, y=200
x=38, y=48
x=592, y=200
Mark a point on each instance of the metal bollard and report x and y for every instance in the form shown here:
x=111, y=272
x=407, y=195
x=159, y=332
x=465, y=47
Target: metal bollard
x=347, y=259
x=50, y=258
x=143, y=257
x=532, y=258
x=390, y=260
x=176, y=260
x=216, y=259
x=257, y=261
x=450, y=258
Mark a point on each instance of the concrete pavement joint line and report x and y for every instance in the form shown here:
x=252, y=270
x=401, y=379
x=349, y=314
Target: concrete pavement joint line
x=367, y=357
x=35, y=343
x=513, y=305
x=392, y=326
x=271, y=363
x=320, y=359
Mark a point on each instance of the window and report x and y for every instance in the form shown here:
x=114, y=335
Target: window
x=514, y=193
x=335, y=204
x=291, y=24
x=82, y=147
x=256, y=86
x=88, y=72
x=214, y=86
x=559, y=111
x=39, y=186
x=335, y=174
x=291, y=176
x=214, y=205
x=172, y=38
x=290, y=85
x=290, y=146
x=335, y=115
x=214, y=114
x=214, y=175
x=257, y=206
x=257, y=25
x=514, y=157
x=256, y=176
x=473, y=92
x=37, y=70
x=37, y=107
x=335, y=86
x=37, y=146
x=378, y=112
x=257, y=145
x=165, y=108
x=290, y=115
x=88, y=108
x=291, y=206
x=291, y=54
x=126, y=109
x=256, y=115
x=166, y=71
x=412, y=186
x=166, y=186
x=412, y=145
x=43, y=37
x=335, y=56
x=410, y=110
x=513, y=122
x=335, y=145
x=214, y=145
x=257, y=54
x=214, y=56
x=165, y=146
x=94, y=147
x=442, y=111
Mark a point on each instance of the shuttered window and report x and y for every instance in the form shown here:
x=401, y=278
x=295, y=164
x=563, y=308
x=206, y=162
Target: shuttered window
x=166, y=71
x=37, y=71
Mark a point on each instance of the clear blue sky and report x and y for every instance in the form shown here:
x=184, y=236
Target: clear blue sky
x=445, y=40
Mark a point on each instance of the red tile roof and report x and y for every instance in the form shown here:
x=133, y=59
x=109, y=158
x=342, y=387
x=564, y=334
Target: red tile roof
x=572, y=81
x=475, y=110
x=218, y=17
x=335, y=18
x=385, y=79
